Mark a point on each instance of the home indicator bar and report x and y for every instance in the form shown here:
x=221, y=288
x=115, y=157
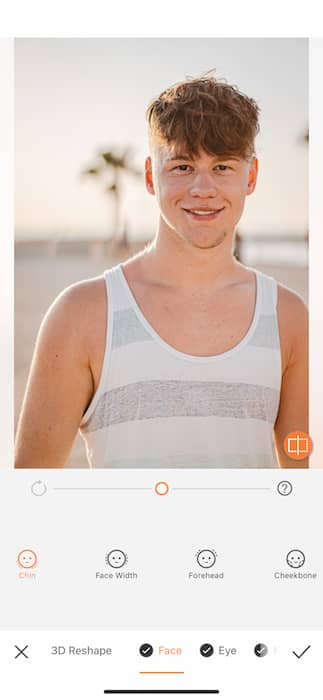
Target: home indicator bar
x=161, y=692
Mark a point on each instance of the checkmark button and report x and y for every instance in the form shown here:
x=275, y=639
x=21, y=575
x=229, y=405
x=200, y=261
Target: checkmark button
x=299, y=656
x=206, y=650
x=146, y=650
x=261, y=650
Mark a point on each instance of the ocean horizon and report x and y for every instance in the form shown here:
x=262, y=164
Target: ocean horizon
x=267, y=248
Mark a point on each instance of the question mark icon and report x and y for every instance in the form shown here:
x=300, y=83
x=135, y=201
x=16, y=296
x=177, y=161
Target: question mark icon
x=284, y=488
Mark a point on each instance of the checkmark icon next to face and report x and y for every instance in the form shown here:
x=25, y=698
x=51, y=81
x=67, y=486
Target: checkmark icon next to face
x=299, y=656
x=146, y=650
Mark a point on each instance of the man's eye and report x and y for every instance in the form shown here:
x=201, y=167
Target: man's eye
x=223, y=168
x=182, y=168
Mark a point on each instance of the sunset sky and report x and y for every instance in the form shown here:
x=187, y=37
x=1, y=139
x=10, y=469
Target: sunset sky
x=75, y=96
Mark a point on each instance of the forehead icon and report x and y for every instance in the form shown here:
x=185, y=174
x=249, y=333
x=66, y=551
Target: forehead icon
x=206, y=558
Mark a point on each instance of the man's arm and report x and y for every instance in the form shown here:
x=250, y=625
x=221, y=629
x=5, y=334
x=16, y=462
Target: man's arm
x=61, y=381
x=293, y=408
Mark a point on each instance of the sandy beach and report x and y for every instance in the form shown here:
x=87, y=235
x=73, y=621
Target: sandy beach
x=40, y=277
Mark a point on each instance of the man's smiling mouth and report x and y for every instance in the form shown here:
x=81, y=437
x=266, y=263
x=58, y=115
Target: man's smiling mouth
x=206, y=213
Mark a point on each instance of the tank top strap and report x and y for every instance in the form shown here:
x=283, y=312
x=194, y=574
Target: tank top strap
x=268, y=295
x=117, y=294
x=266, y=332
x=124, y=322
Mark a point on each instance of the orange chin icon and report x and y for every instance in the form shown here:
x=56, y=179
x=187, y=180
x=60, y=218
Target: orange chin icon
x=27, y=559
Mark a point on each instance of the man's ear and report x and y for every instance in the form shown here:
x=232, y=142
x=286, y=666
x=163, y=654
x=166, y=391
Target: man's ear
x=253, y=174
x=149, y=176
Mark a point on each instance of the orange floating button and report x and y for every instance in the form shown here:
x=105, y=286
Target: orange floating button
x=298, y=445
x=161, y=488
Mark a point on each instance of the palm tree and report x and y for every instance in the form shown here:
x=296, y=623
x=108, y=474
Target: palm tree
x=114, y=164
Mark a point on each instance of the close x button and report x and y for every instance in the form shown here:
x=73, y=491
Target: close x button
x=21, y=652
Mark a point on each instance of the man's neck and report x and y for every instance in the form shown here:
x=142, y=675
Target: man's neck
x=177, y=263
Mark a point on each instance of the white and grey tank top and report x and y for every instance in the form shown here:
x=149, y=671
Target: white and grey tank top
x=156, y=407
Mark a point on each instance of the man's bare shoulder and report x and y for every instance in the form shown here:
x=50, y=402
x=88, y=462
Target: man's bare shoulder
x=291, y=306
x=83, y=295
x=293, y=322
x=78, y=313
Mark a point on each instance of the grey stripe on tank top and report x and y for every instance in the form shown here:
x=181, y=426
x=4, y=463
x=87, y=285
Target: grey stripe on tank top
x=156, y=399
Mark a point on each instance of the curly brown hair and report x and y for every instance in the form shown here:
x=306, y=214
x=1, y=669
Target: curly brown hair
x=205, y=114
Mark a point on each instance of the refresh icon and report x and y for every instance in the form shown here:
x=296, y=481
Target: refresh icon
x=38, y=488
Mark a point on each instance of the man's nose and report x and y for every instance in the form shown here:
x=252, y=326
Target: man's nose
x=203, y=185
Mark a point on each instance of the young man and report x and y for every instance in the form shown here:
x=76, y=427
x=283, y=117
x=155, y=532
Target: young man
x=182, y=357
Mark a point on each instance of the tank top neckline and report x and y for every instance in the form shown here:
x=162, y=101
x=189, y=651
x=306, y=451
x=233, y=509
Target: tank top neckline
x=182, y=355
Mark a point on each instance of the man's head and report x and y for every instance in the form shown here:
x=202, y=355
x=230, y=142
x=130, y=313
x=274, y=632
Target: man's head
x=202, y=138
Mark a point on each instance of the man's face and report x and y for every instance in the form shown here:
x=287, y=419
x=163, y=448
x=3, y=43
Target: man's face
x=201, y=199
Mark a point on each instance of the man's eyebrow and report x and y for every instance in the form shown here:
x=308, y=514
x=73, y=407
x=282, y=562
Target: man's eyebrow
x=180, y=156
x=217, y=158
x=226, y=156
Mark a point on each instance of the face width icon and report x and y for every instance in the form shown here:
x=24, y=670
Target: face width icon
x=116, y=558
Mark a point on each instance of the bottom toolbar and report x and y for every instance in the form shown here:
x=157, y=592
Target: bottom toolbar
x=92, y=664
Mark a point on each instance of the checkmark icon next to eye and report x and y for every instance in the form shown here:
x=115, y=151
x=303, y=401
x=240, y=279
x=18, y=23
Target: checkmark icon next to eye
x=299, y=656
x=206, y=650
